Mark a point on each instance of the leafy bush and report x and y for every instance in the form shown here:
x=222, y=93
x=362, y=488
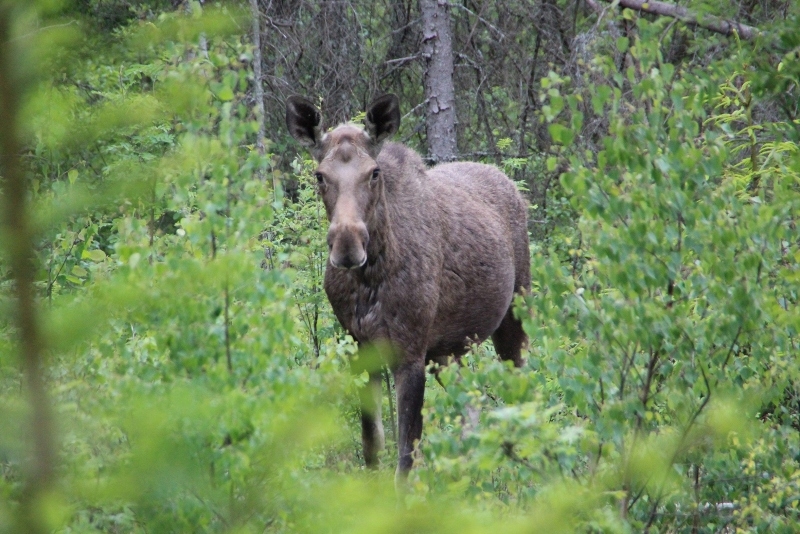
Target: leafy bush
x=674, y=327
x=663, y=335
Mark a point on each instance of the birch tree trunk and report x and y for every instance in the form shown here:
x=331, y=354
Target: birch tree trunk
x=437, y=51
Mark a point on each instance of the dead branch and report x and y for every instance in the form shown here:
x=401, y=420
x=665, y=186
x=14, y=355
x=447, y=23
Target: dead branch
x=709, y=22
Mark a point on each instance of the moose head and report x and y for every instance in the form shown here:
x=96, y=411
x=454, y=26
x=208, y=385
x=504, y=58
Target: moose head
x=348, y=174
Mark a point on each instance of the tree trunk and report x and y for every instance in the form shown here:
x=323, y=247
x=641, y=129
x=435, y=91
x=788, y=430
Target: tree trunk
x=258, y=87
x=437, y=51
x=18, y=240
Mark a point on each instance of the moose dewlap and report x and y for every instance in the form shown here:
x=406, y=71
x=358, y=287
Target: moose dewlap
x=427, y=260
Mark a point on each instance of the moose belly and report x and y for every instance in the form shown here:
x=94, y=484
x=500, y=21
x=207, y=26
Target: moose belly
x=471, y=306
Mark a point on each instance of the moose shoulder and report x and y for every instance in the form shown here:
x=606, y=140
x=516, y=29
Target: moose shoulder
x=427, y=260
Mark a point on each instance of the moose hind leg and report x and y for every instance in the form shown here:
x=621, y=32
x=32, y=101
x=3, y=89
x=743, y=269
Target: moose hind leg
x=509, y=338
x=410, y=384
x=371, y=423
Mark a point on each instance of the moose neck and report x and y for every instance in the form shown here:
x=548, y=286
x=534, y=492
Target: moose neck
x=381, y=248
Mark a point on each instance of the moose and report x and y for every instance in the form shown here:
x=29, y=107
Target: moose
x=423, y=260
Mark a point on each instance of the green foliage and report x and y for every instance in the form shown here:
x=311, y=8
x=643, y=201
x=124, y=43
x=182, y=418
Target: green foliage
x=675, y=325
x=174, y=395
x=200, y=381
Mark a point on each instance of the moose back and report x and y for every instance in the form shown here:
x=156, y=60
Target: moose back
x=427, y=260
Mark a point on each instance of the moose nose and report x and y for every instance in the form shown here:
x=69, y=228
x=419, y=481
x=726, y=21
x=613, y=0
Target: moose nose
x=346, y=262
x=347, y=245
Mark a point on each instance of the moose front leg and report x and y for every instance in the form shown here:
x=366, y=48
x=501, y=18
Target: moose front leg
x=409, y=379
x=371, y=422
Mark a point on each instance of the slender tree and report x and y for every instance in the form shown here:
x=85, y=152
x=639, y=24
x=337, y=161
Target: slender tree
x=258, y=81
x=18, y=238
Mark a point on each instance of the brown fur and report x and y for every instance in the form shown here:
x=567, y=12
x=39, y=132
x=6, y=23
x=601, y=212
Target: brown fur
x=443, y=251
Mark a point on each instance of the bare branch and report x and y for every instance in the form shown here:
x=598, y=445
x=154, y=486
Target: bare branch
x=709, y=22
x=402, y=59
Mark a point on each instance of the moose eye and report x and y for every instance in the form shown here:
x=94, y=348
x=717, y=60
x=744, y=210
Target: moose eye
x=320, y=178
x=375, y=174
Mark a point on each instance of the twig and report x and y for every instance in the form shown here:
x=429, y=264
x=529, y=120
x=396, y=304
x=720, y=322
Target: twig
x=478, y=17
x=43, y=29
x=402, y=59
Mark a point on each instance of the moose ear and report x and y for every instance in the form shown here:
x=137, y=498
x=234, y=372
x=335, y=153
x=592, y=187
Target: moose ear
x=304, y=121
x=383, y=118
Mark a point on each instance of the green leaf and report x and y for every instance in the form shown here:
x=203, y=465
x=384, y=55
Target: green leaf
x=561, y=134
x=504, y=143
x=225, y=94
x=95, y=255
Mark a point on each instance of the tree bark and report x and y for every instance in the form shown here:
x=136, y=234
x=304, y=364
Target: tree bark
x=437, y=51
x=18, y=237
x=709, y=22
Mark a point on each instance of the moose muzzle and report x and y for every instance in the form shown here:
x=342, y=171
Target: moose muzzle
x=347, y=245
